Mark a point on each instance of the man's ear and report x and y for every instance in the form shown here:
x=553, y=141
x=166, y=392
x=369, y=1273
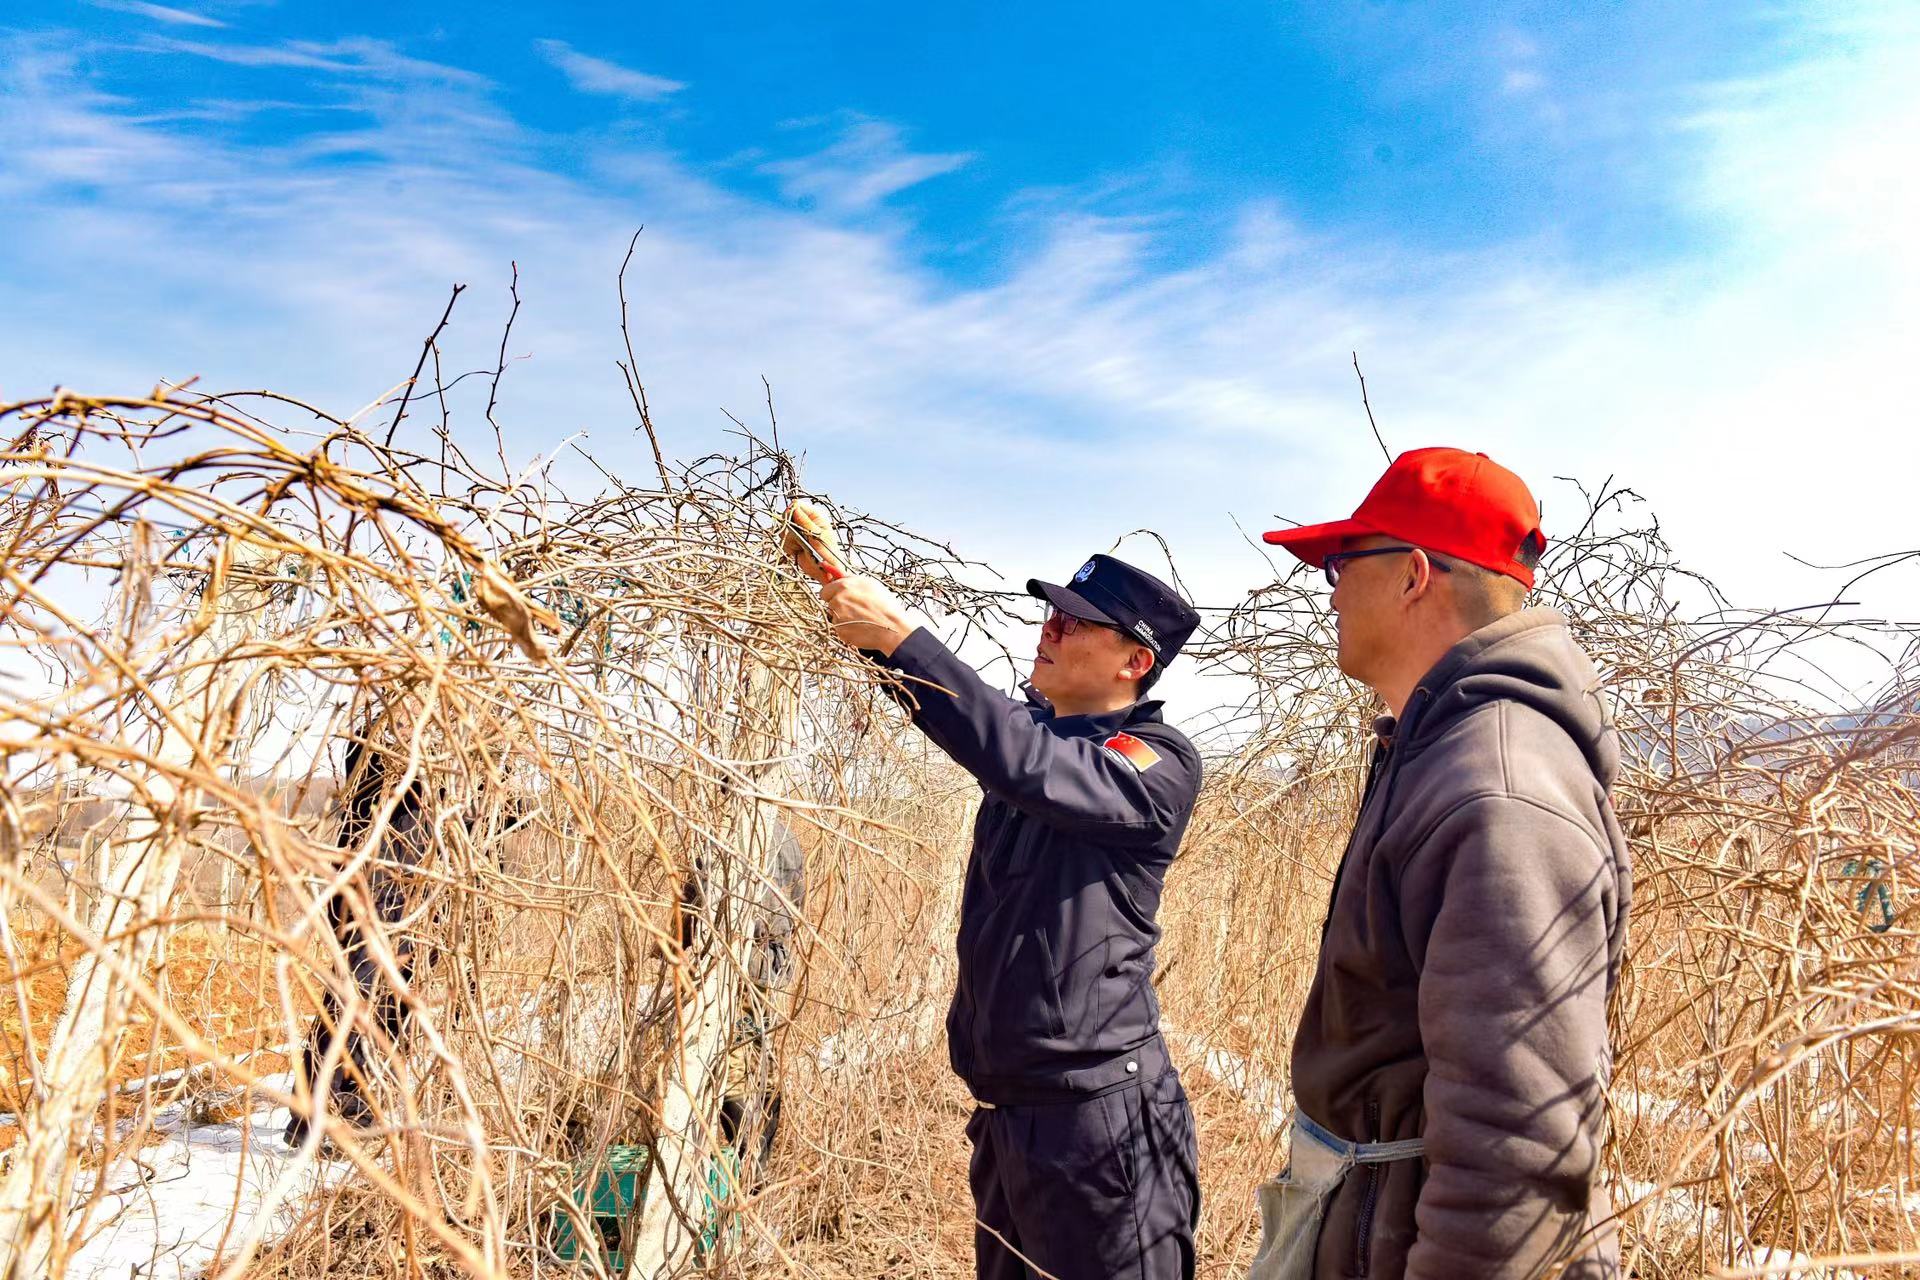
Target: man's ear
x=1140, y=663
x=1413, y=586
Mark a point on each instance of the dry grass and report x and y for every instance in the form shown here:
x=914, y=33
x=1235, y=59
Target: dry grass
x=221, y=985
x=605, y=696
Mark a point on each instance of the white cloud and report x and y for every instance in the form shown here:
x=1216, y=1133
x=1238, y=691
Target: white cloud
x=1760, y=395
x=355, y=57
x=296, y=54
x=1510, y=42
x=1522, y=80
x=861, y=168
x=596, y=75
x=159, y=13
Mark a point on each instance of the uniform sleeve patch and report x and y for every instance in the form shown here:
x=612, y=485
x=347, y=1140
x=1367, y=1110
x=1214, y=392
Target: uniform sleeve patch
x=1135, y=752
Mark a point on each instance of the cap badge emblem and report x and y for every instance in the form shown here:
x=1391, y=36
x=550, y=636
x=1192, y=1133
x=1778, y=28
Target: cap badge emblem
x=1086, y=571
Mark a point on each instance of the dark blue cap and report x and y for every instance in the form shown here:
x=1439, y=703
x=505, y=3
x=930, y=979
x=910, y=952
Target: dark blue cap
x=1115, y=593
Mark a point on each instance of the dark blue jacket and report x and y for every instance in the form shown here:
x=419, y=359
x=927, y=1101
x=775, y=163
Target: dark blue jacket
x=1080, y=818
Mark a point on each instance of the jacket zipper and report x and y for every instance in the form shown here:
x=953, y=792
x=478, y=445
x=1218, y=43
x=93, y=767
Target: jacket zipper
x=1383, y=767
x=1363, y=1226
x=1376, y=766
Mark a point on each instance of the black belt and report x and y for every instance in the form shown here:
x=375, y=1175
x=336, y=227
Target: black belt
x=1148, y=1061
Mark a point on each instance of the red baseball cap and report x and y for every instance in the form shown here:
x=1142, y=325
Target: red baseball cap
x=1461, y=504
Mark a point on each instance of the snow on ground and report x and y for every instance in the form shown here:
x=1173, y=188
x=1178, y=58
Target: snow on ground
x=165, y=1216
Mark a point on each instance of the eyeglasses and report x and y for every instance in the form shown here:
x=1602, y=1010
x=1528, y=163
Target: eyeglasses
x=1066, y=624
x=1336, y=561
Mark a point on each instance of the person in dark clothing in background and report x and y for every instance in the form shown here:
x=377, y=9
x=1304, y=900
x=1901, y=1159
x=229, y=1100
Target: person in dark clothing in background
x=1084, y=1161
x=366, y=790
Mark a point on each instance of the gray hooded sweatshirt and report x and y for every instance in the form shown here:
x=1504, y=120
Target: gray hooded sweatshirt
x=1475, y=933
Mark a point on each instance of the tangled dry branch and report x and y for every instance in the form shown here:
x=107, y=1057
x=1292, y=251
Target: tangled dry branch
x=563, y=918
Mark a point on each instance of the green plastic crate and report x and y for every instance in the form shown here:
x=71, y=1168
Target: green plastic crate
x=613, y=1190
x=615, y=1194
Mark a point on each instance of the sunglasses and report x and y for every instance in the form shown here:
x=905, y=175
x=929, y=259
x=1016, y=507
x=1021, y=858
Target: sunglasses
x=1336, y=561
x=1066, y=624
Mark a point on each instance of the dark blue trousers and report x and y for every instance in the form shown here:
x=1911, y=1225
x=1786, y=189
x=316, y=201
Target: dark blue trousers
x=1095, y=1189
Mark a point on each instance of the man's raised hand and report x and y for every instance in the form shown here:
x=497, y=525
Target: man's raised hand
x=866, y=615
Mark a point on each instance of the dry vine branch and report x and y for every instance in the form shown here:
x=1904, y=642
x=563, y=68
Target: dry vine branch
x=609, y=710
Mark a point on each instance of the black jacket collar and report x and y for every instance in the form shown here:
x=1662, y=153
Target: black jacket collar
x=1145, y=711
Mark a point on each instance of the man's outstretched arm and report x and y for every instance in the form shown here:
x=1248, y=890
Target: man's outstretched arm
x=1128, y=793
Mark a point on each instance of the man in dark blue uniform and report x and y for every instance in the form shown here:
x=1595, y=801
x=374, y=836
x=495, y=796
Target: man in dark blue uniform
x=1084, y=1161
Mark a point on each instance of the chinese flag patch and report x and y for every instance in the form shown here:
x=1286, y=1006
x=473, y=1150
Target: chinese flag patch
x=1135, y=752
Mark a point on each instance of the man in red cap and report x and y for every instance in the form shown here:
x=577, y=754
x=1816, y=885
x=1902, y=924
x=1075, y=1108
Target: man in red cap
x=1451, y=1065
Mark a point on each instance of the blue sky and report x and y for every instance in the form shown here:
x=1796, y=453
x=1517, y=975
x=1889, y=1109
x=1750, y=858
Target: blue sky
x=1029, y=276
x=1439, y=128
